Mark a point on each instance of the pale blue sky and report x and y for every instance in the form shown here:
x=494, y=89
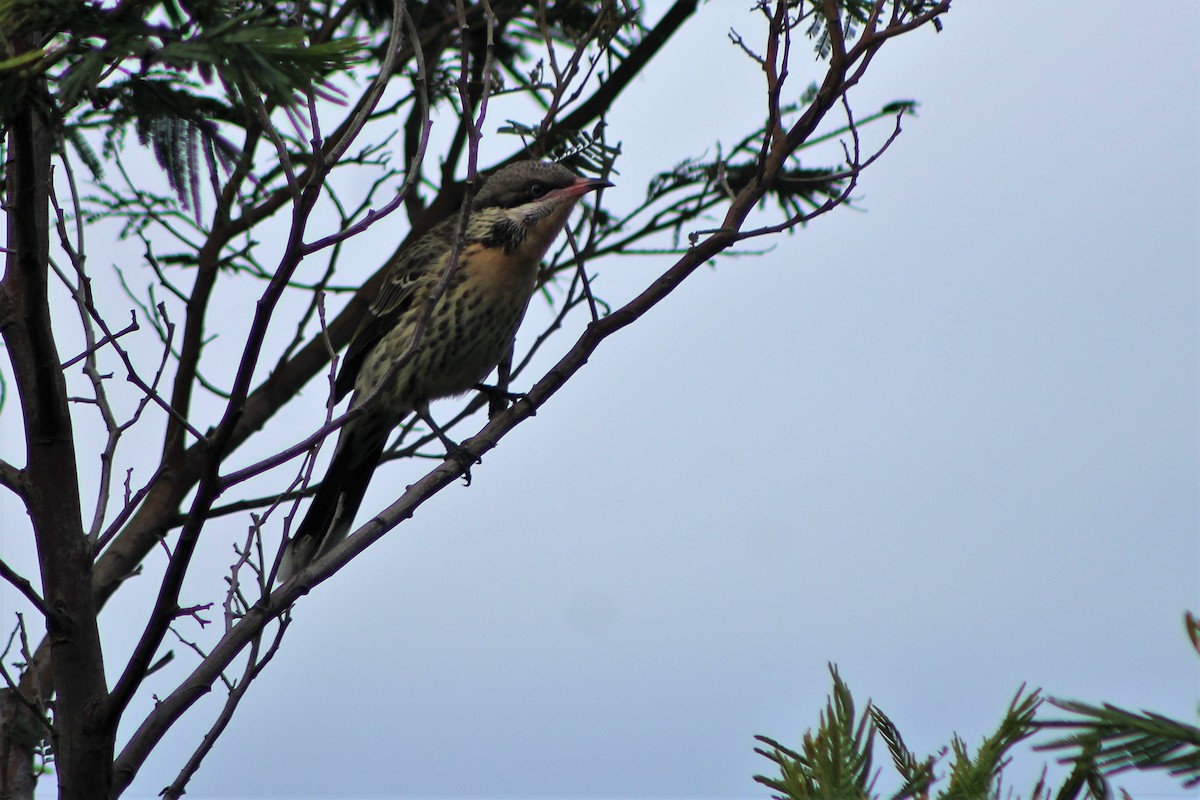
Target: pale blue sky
x=949, y=444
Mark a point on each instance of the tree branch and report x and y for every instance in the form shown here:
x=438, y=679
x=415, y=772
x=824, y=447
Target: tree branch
x=83, y=751
x=23, y=585
x=630, y=67
x=251, y=625
x=219, y=442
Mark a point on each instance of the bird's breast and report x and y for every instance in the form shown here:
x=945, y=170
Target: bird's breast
x=497, y=271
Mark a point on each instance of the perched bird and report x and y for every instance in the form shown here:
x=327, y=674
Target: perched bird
x=516, y=215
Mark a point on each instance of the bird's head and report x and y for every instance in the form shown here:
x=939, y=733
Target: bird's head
x=524, y=206
x=534, y=182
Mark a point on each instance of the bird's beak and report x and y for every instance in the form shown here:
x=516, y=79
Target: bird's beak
x=580, y=187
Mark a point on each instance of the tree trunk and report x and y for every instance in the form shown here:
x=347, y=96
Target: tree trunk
x=20, y=733
x=83, y=740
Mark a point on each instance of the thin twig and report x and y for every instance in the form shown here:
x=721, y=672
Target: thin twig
x=254, y=666
x=23, y=585
x=132, y=327
x=34, y=708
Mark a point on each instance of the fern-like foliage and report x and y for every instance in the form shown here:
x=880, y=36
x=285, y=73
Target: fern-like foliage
x=833, y=762
x=1108, y=740
x=177, y=124
x=917, y=773
x=797, y=189
x=617, y=24
x=854, y=15
x=260, y=57
x=973, y=777
x=112, y=67
x=1104, y=740
x=582, y=151
x=1097, y=742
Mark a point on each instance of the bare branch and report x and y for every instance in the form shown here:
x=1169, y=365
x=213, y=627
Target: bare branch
x=252, y=623
x=34, y=706
x=208, y=488
x=299, y=448
x=254, y=666
x=23, y=585
x=132, y=327
x=370, y=98
x=630, y=67
x=12, y=479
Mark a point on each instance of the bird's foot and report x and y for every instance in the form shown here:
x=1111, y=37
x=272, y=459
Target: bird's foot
x=499, y=399
x=465, y=457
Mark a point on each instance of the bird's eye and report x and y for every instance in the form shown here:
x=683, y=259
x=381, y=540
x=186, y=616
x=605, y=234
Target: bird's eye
x=537, y=190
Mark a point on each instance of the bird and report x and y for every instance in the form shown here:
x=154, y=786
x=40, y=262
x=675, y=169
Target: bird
x=464, y=332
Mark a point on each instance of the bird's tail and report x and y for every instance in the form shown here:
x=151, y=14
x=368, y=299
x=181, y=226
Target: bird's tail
x=328, y=518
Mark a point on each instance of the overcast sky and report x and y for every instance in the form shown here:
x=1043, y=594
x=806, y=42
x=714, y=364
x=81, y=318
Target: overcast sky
x=949, y=444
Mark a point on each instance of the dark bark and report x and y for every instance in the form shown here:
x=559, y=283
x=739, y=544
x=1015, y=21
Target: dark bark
x=83, y=750
x=19, y=737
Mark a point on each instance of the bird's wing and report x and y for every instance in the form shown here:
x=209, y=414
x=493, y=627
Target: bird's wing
x=394, y=300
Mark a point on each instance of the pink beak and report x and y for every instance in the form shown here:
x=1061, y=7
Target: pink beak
x=580, y=187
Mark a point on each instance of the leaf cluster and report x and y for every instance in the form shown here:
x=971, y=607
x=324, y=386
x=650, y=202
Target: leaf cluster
x=797, y=188
x=1104, y=740
x=1097, y=742
x=585, y=152
x=855, y=15
x=834, y=761
x=619, y=24
x=155, y=66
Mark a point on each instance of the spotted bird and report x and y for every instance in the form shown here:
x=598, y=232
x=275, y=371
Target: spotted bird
x=516, y=215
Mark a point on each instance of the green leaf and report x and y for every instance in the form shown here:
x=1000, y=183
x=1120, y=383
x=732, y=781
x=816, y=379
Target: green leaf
x=834, y=762
x=973, y=778
x=917, y=773
x=1112, y=740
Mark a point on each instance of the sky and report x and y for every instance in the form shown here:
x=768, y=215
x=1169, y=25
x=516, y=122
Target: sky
x=947, y=441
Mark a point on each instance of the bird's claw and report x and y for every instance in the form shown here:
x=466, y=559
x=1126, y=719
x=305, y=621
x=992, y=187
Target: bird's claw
x=499, y=399
x=466, y=459
x=495, y=392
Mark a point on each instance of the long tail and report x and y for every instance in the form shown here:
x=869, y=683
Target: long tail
x=328, y=519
